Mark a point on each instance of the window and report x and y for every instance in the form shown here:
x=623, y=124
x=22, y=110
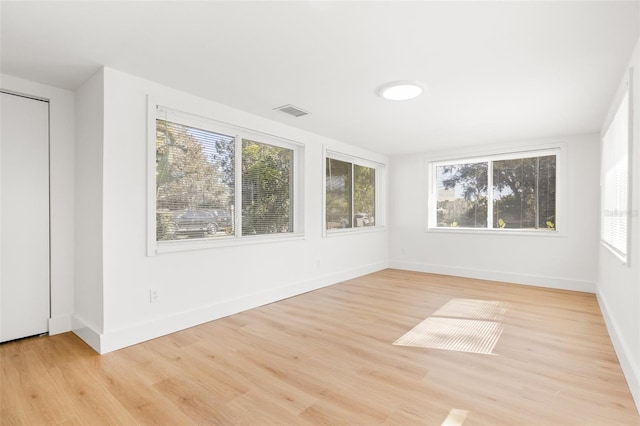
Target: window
x=194, y=182
x=266, y=188
x=351, y=193
x=462, y=195
x=524, y=193
x=215, y=182
x=509, y=191
x=615, y=181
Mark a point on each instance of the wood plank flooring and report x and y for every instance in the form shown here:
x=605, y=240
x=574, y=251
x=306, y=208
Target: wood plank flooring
x=326, y=357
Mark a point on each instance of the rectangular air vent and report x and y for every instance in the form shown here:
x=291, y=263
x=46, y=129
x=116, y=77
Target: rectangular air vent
x=292, y=110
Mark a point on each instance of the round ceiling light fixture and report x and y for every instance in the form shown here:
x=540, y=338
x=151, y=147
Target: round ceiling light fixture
x=401, y=90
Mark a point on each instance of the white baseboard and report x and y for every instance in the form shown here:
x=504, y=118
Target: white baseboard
x=86, y=332
x=509, y=277
x=628, y=362
x=59, y=324
x=118, y=339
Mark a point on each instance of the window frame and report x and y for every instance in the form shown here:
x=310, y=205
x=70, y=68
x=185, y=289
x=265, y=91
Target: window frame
x=625, y=91
x=380, y=195
x=497, y=154
x=181, y=115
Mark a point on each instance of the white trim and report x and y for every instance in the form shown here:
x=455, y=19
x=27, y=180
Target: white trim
x=118, y=339
x=151, y=177
x=25, y=95
x=381, y=197
x=355, y=230
x=493, y=275
x=59, y=324
x=495, y=231
x=491, y=151
x=323, y=192
x=86, y=332
x=206, y=123
x=630, y=369
x=340, y=156
x=500, y=155
x=630, y=168
x=171, y=246
x=237, y=188
x=623, y=258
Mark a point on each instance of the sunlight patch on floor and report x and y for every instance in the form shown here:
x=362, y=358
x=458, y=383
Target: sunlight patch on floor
x=454, y=335
x=455, y=418
x=492, y=310
x=464, y=325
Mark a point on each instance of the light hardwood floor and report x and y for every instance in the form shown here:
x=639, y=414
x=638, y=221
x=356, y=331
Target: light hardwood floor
x=326, y=357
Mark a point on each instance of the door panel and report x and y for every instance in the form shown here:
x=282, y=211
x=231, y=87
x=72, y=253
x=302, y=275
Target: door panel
x=24, y=217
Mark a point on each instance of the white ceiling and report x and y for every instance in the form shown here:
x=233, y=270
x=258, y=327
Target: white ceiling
x=495, y=71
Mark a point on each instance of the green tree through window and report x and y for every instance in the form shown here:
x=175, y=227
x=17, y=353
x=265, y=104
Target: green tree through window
x=266, y=188
x=196, y=184
x=350, y=198
x=194, y=173
x=522, y=194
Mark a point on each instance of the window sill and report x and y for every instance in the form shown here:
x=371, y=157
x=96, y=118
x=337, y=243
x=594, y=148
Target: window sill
x=221, y=242
x=619, y=255
x=512, y=232
x=353, y=231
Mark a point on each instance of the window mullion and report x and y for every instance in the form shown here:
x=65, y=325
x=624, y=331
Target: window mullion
x=238, y=187
x=353, y=193
x=537, y=193
x=490, y=194
x=293, y=197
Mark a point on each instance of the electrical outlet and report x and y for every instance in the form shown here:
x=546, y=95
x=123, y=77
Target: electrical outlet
x=154, y=296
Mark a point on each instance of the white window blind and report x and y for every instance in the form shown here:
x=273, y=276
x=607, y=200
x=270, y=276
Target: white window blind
x=194, y=181
x=216, y=183
x=615, y=181
x=267, y=188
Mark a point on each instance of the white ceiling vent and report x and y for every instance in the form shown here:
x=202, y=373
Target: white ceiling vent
x=292, y=110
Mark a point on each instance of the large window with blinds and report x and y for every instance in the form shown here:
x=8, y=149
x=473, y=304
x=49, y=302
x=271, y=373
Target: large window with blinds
x=614, y=230
x=215, y=182
x=352, y=193
x=505, y=192
x=267, y=184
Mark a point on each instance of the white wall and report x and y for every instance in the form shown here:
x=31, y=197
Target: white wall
x=568, y=261
x=618, y=286
x=61, y=145
x=88, y=318
x=200, y=285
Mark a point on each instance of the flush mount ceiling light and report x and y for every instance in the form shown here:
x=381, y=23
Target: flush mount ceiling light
x=401, y=90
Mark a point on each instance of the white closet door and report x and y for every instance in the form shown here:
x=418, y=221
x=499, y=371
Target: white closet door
x=24, y=217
